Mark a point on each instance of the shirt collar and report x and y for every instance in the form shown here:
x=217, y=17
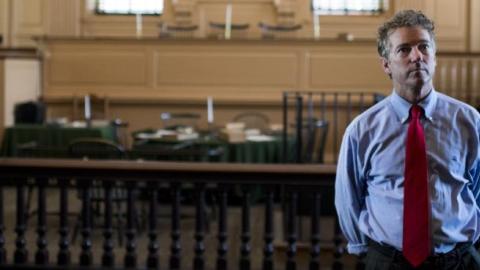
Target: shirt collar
x=402, y=106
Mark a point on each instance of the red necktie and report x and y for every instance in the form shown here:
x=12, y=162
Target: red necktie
x=416, y=232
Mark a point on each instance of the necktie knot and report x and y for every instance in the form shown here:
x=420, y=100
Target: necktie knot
x=416, y=111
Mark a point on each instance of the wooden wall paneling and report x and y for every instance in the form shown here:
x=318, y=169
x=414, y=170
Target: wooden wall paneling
x=110, y=70
x=451, y=24
x=474, y=24
x=2, y=97
x=63, y=17
x=4, y=22
x=409, y=4
x=28, y=20
x=232, y=70
x=329, y=70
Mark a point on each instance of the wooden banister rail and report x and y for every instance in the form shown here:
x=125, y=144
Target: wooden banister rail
x=291, y=182
x=161, y=171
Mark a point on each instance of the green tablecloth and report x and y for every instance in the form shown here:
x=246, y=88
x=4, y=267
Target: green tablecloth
x=48, y=138
x=245, y=152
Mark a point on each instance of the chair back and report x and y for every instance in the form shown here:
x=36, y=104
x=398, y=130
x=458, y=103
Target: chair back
x=314, y=135
x=253, y=120
x=238, y=30
x=177, y=31
x=279, y=30
x=95, y=148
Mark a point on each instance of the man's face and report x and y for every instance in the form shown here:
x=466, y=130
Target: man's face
x=411, y=60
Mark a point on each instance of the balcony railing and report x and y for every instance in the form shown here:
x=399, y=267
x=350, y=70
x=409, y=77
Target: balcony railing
x=281, y=187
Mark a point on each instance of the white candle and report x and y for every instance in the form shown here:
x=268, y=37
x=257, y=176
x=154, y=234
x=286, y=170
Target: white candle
x=138, y=24
x=228, y=21
x=316, y=26
x=210, y=110
x=88, y=112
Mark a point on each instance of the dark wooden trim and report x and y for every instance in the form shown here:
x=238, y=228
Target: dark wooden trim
x=22, y=53
x=317, y=174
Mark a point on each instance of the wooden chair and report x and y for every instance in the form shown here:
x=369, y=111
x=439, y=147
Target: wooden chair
x=97, y=148
x=253, y=120
x=279, y=31
x=315, y=137
x=177, y=31
x=238, y=30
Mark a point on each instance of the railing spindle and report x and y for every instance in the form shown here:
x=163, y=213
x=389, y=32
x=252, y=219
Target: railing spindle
x=199, y=260
x=131, y=254
x=338, y=248
x=153, y=259
x=299, y=129
x=86, y=258
x=335, y=124
x=63, y=257
x=285, y=128
x=41, y=256
x=21, y=253
x=268, y=249
x=3, y=251
x=349, y=107
x=245, y=237
x=108, y=258
x=175, y=247
x=292, y=231
x=222, y=229
x=315, y=237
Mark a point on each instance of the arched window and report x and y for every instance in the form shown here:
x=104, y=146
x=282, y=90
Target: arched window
x=349, y=7
x=125, y=7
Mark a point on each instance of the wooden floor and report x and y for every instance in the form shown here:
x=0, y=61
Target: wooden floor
x=187, y=225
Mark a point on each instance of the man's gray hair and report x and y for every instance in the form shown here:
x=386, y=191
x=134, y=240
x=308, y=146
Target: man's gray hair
x=404, y=18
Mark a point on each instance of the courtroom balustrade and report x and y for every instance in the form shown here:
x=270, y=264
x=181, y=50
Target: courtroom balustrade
x=281, y=187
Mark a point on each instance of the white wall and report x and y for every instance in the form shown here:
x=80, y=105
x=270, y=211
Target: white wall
x=22, y=83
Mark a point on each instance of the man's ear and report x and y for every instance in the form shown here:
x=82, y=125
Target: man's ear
x=386, y=66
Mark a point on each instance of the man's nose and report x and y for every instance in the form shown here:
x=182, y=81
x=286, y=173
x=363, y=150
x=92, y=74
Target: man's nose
x=416, y=55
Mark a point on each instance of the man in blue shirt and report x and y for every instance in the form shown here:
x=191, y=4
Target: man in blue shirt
x=369, y=189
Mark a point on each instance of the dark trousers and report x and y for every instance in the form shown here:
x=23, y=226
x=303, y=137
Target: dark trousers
x=381, y=257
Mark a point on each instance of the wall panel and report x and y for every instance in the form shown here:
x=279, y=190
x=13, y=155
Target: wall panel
x=191, y=70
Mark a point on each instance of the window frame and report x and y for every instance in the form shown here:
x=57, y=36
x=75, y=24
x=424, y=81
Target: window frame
x=384, y=8
x=97, y=11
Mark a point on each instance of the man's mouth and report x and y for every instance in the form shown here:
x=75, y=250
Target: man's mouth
x=418, y=70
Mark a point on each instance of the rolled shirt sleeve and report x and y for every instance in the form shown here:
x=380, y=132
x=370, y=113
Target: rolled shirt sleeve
x=350, y=193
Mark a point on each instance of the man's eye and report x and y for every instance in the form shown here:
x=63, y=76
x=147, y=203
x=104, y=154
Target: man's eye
x=404, y=50
x=423, y=47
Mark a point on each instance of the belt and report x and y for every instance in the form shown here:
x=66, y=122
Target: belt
x=454, y=255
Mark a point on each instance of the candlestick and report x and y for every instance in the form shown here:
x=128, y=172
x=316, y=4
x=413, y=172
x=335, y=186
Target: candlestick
x=210, y=110
x=138, y=24
x=88, y=111
x=316, y=25
x=228, y=21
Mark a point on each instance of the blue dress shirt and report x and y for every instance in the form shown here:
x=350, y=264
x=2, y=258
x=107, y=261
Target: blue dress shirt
x=370, y=173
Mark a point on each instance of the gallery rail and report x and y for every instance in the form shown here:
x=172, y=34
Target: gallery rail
x=279, y=184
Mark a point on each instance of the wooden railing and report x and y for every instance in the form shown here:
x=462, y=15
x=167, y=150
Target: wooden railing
x=458, y=75
x=280, y=185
